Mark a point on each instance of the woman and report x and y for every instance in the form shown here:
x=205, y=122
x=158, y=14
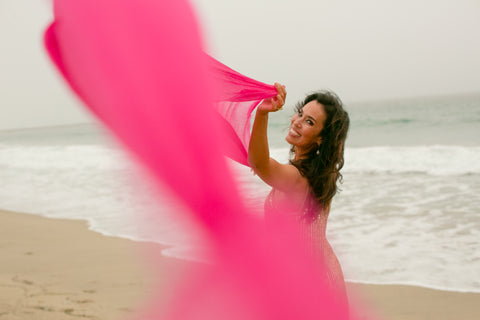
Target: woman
x=304, y=188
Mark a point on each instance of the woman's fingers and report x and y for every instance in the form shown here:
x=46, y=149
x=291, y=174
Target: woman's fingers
x=275, y=103
x=281, y=89
x=282, y=92
x=280, y=100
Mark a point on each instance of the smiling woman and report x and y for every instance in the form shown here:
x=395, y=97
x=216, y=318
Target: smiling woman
x=317, y=137
x=304, y=188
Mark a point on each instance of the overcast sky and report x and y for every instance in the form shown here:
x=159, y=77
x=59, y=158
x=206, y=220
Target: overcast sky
x=363, y=50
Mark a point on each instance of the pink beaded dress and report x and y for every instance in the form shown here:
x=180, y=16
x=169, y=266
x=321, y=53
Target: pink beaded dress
x=311, y=219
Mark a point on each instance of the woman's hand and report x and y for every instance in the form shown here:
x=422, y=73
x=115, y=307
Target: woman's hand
x=276, y=103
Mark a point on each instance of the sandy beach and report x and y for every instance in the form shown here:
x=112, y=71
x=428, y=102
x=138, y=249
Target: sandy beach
x=58, y=269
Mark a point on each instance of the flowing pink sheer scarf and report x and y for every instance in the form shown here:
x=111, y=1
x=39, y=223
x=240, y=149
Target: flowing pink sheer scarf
x=139, y=67
x=236, y=97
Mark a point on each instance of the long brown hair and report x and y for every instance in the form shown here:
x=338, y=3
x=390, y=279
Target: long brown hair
x=322, y=163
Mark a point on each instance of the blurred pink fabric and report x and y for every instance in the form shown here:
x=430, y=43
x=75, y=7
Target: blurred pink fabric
x=140, y=67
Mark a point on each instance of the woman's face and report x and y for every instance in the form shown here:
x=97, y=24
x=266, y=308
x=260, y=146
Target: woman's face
x=306, y=125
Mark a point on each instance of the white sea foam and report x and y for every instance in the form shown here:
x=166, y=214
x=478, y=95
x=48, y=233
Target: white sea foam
x=406, y=215
x=432, y=160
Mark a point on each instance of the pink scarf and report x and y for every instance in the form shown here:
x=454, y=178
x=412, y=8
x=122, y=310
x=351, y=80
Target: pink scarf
x=139, y=66
x=237, y=96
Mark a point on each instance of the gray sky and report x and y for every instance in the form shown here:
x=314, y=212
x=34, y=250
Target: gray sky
x=363, y=50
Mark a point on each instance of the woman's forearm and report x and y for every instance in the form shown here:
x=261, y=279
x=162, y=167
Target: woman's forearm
x=258, y=153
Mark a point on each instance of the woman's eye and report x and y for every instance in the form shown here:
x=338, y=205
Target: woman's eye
x=300, y=113
x=310, y=122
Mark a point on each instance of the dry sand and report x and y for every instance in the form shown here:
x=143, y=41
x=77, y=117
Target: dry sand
x=58, y=269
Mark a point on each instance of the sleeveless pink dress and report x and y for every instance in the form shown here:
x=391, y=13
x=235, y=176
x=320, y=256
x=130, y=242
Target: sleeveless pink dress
x=311, y=220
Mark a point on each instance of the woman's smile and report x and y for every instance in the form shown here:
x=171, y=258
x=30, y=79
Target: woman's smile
x=293, y=132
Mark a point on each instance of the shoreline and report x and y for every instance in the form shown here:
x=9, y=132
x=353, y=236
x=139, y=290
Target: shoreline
x=165, y=246
x=56, y=267
x=415, y=285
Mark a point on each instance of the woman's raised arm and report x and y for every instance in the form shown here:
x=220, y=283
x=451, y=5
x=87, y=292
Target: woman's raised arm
x=279, y=176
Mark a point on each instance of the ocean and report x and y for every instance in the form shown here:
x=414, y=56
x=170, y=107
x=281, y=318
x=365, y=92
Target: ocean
x=408, y=211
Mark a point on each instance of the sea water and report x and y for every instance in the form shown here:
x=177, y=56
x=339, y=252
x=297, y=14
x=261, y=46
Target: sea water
x=407, y=213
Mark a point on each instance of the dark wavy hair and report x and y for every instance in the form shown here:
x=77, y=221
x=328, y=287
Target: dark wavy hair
x=322, y=163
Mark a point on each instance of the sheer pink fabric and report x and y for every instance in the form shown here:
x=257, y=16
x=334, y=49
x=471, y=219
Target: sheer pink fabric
x=139, y=67
x=236, y=98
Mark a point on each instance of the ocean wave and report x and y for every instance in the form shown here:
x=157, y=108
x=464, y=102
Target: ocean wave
x=62, y=157
x=438, y=160
x=431, y=159
x=371, y=122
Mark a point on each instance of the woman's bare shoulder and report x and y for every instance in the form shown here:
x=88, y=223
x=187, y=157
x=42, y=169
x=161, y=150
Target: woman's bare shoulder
x=288, y=179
